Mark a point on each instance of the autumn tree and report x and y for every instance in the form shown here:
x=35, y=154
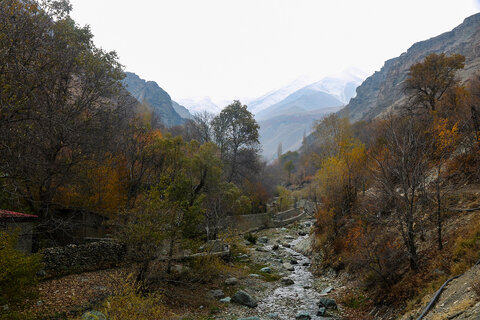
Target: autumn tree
x=200, y=127
x=430, y=79
x=171, y=211
x=444, y=141
x=400, y=165
x=236, y=134
x=67, y=110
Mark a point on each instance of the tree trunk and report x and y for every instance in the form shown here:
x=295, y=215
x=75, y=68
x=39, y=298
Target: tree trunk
x=142, y=274
x=439, y=217
x=170, y=254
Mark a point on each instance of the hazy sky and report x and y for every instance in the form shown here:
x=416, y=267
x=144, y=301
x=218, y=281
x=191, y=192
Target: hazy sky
x=229, y=49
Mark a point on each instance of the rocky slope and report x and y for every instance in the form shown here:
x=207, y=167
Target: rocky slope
x=459, y=300
x=384, y=89
x=157, y=98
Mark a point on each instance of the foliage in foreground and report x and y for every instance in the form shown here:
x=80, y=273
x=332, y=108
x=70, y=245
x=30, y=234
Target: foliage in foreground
x=18, y=282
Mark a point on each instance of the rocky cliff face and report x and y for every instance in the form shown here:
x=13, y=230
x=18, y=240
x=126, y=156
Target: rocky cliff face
x=156, y=97
x=384, y=89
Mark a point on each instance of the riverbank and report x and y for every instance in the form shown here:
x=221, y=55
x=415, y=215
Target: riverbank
x=295, y=292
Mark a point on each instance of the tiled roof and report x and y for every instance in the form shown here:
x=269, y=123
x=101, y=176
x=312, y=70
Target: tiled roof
x=11, y=214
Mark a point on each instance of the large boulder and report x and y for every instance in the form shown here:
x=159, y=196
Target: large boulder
x=327, y=303
x=243, y=298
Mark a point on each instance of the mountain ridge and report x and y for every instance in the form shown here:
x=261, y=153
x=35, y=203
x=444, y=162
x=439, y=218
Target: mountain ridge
x=160, y=101
x=383, y=91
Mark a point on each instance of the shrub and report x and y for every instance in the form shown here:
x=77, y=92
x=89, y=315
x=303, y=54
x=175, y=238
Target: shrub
x=251, y=238
x=129, y=302
x=18, y=282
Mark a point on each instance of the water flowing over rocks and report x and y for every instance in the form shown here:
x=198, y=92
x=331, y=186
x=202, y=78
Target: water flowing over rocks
x=293, y=296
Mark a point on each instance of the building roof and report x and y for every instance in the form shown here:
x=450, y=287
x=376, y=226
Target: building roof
x=12, y=214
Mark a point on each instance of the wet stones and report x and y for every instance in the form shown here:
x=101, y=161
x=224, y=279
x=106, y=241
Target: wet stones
x=243, y=298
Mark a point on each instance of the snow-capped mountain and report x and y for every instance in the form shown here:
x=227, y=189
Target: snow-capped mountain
x=200, y=105
x=342, y=86
x=275, y=96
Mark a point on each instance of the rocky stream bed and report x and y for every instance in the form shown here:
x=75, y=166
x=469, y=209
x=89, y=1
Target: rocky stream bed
x=295, y=294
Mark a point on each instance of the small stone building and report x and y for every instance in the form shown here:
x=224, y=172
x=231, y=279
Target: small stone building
x=22, y=223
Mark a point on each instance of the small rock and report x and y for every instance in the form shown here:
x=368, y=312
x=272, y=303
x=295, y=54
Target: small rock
x=286, y=245
x=243, y=256
x=275, y=247
x=39, y=303
x=326, y=290
x=266, y=270
x=254, y=275
x=231, y=281
x=226, y=300
x=287, y=281
x=327, y=303
x=217, y=294
x=289, y=237
x=243, y=298
x=302, y=315
x=273, y=315
x=302, y=233
x=261, y=249
x=307, y=286
x=321, y=311
x=284, y=229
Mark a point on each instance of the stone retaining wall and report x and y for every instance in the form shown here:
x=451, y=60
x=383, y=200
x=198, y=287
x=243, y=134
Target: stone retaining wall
x=255, y=222
x=81, y=258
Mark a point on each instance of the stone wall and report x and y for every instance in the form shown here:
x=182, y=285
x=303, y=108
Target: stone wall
x=255, y=222
x=84, y=257
x=284, y=215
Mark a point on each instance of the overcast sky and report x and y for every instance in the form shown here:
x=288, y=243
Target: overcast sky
x=229, y=49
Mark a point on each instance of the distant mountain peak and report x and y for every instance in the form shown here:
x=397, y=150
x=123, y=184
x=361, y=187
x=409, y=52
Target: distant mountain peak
x=200, y=104
x=160, y=101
